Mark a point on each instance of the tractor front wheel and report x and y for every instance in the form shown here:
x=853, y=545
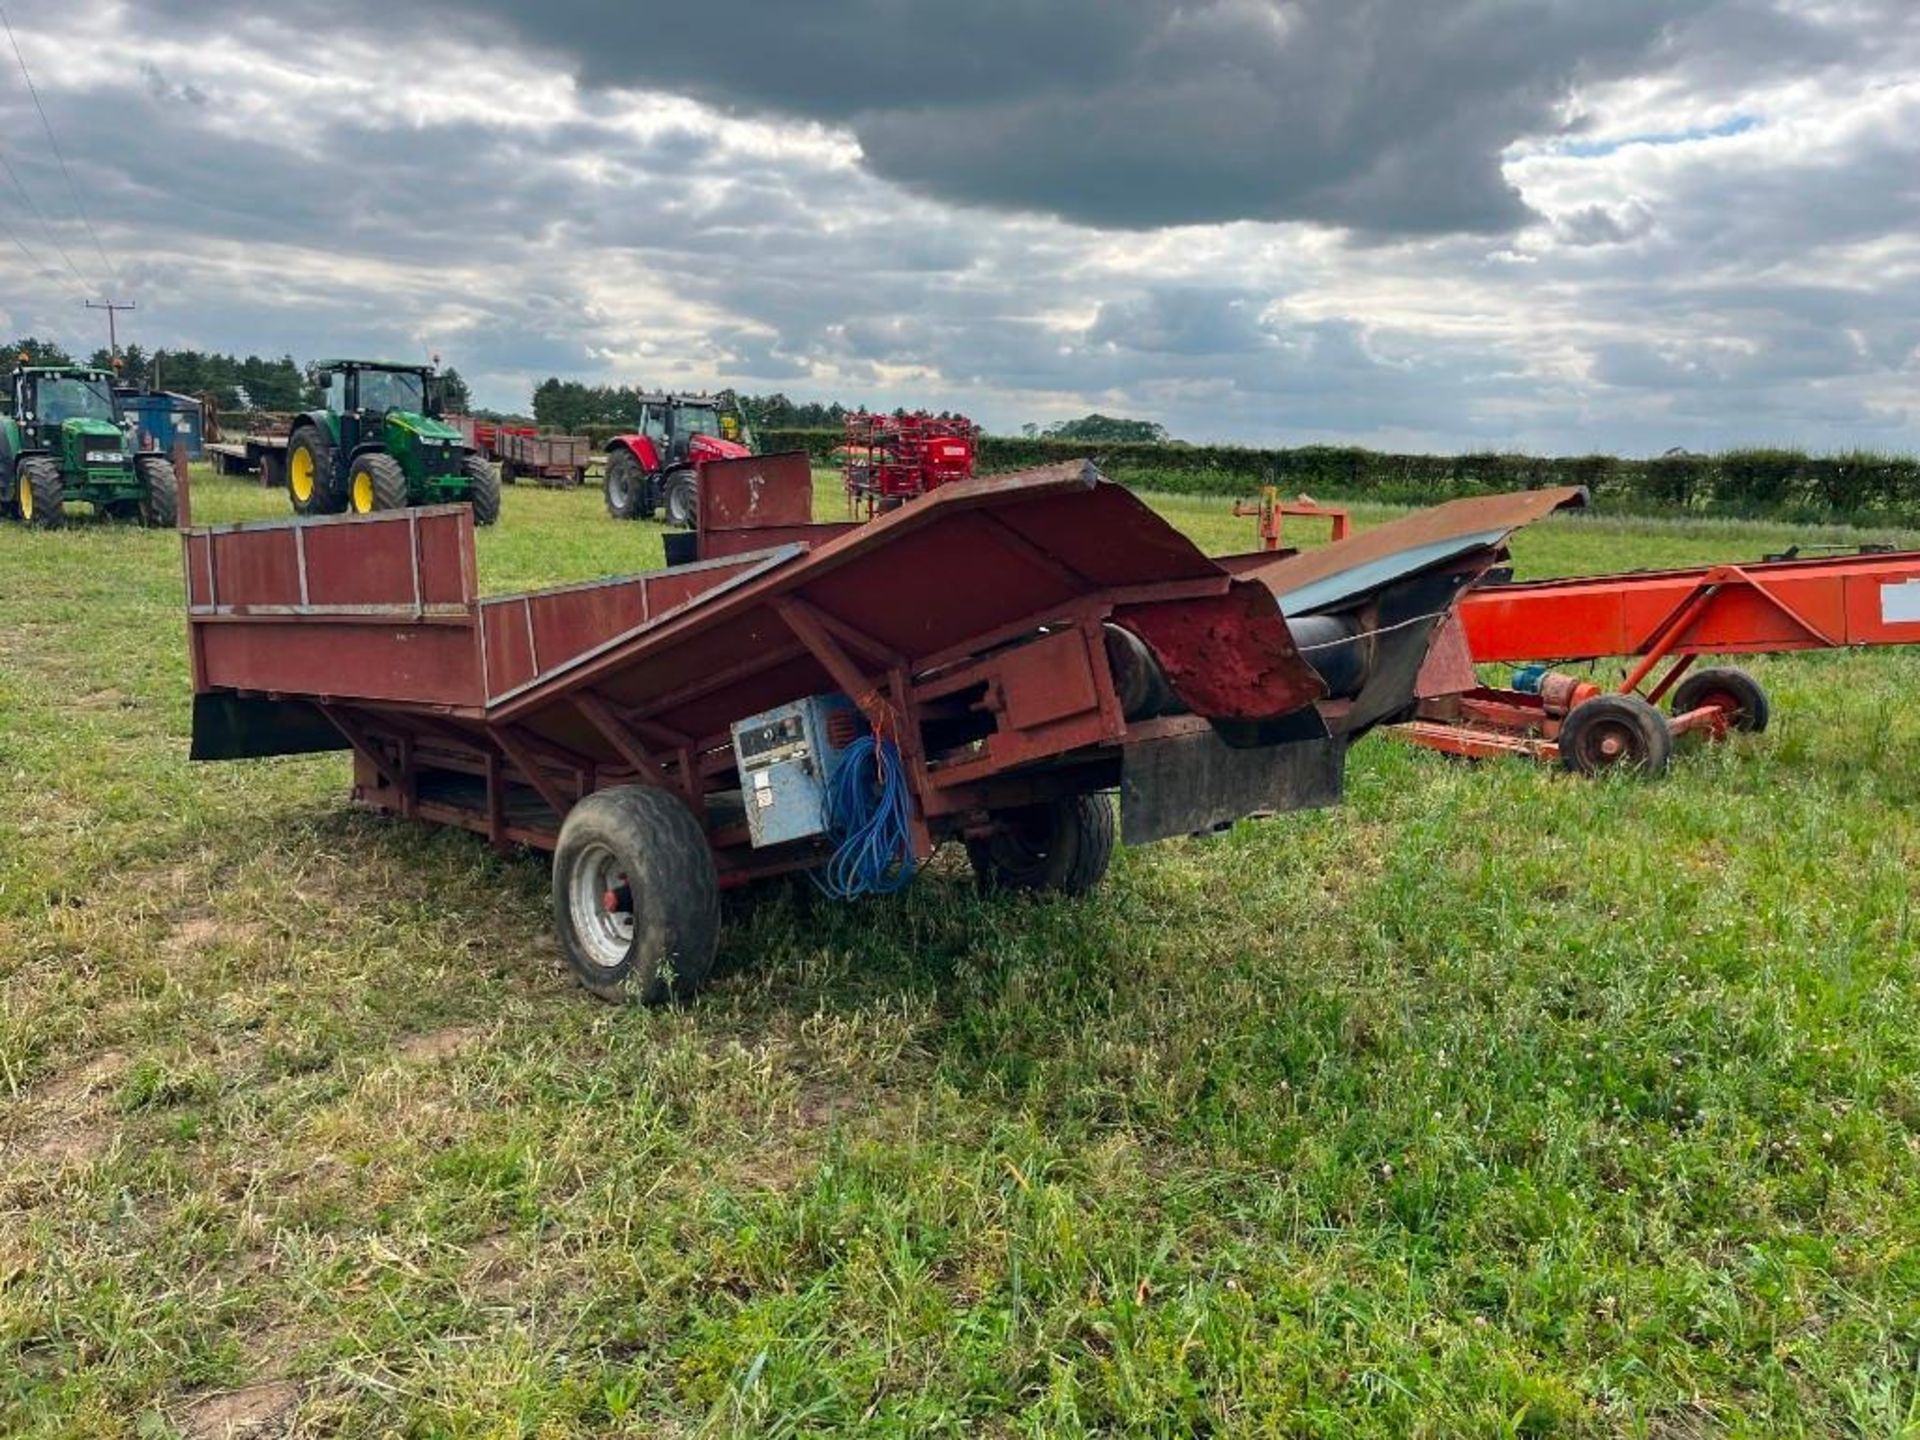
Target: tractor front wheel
x=310, y=473
x=626, y=487
x=160, y=502
x=1064, y=845
x=682, y=498
x=1727, y=688
x=1615, y=732
x=42, y=497
x=376, y=482
x=483, y=489
x=636, y=898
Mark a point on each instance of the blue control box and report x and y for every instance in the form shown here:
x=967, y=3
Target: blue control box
x=785, y=757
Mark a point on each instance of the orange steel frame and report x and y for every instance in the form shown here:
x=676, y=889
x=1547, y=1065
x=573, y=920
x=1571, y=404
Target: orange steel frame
x=1272, y=511
x=1818, y=603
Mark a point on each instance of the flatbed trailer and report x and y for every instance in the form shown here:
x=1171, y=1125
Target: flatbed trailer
x=1655, y=619
x=1008, y=651
x=262, y=455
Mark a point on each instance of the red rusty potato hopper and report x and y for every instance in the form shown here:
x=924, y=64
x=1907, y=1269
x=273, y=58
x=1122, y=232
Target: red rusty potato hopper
x=1016, y=647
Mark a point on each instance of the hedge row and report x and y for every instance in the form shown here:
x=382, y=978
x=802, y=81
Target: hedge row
x=1786, y=483
x=1736, y=482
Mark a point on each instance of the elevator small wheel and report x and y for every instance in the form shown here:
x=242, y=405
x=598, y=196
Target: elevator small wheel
x=1615, y=732
x=1726, y=688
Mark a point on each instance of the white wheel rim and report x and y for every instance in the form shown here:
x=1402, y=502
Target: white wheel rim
x=605, y=931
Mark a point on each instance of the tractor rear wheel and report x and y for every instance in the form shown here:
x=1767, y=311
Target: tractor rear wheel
x=376, y=482
x=1728, y=688
x=310, y=473
x=1064, y=845
x=483, y=489
x=636, y=898
x=1615, y=732
x=160, y=504
x=682, y=498
x=626, y=487
x=42, y=498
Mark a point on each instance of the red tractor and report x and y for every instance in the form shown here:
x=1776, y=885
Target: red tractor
x=657, y=467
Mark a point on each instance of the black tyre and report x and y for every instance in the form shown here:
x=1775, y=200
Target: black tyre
x=1615, y=732
x=628, y=497
x=160, y=501
x=508, y=475
x=42, y=497
x=375, y=481
x=680, y=498
x=309, y=465
x=635, y=896
x=1727, y=688
x=1064, y=845
x=483, y=489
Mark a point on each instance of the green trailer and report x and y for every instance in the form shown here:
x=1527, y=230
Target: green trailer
x=380, y=443
x=66, y=439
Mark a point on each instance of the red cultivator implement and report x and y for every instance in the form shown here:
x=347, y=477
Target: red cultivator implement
x=1664, y=621
x=981, y=666
x=890, y=459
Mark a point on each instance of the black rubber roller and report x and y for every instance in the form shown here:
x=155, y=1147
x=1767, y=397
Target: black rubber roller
x=1138, y=680
x=1334, y=647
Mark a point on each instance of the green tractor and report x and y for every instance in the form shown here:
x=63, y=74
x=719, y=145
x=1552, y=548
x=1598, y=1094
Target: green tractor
x=65, y=439
x=379, y=444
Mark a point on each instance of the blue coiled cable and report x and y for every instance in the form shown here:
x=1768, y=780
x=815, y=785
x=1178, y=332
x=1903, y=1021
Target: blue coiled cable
x=867, y=811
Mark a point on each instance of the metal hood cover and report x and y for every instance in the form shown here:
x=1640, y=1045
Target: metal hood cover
x=1349, y=569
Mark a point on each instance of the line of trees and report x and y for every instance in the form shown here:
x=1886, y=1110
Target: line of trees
x=572, y=406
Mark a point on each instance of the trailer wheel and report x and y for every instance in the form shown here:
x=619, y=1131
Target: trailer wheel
x=1726, y=688
x=160, y=508
x=508, y=475
x=375, y=481
x=682, y=498
x=42, y=497
x=635, y=896
x=626, y=486
x=1615, y=731
x=1064, y=845
x=483, y=489
x=309, y=473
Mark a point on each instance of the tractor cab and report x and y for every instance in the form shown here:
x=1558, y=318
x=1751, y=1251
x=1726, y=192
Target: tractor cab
x=363, y=393
x=47, y=399
x=677, y=423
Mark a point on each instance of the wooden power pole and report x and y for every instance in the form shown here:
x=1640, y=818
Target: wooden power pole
x=112, y=307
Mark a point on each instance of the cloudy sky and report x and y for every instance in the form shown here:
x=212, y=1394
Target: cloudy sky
x=1550, y=225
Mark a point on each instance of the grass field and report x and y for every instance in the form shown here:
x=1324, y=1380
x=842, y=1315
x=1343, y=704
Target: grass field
x=1492, y=1103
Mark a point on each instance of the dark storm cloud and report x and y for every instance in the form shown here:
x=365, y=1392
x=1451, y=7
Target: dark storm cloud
x=1386, y=116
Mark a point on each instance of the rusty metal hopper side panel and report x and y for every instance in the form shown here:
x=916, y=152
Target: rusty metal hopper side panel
x=1350, y=569
x=534, y=634
x=410, y=662
x=407, y=562
x=753, y=492
x=970, y=561
x=373, y=608
x=721, y=544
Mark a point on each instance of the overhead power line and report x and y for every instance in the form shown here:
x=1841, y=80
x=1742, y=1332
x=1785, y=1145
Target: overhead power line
x=72, y=189
x=46, y=228
x=32, y=259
